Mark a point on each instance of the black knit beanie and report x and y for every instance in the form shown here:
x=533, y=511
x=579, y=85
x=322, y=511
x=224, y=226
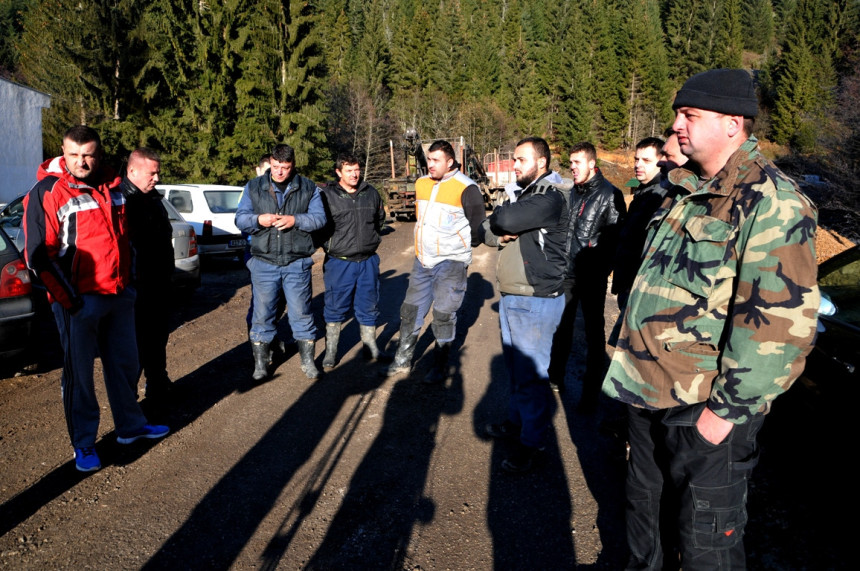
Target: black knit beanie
x=729, y=91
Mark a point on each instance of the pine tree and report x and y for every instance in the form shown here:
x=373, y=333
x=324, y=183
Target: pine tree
x=609, y=83
x=729, y=41
x=757, y=24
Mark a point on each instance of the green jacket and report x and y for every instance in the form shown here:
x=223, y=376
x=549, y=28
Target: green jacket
x=723, y=308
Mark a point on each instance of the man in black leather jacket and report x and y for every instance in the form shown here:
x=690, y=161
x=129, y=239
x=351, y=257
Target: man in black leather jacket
x=151, y=238
x=596, y=212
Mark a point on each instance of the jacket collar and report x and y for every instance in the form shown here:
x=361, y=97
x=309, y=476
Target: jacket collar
x=723, y=182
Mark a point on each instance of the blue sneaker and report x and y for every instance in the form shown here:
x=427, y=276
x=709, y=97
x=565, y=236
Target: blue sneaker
x=145, y=431
x=86, y=459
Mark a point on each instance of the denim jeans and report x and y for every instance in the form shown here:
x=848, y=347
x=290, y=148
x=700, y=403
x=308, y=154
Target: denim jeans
x=103, y=327
x=685, y=494
x=528, y=324
x=353, y=284
x=443, y=285
x=268, y=281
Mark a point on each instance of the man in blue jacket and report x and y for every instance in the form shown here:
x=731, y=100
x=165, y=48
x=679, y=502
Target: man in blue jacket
x=279, y=210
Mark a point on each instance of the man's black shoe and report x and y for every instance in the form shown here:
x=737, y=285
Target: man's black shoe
x=504, y=431
x=521, y=460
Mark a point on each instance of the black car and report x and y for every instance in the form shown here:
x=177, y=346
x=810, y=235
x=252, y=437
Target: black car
x=835, y=359
x=17, y=308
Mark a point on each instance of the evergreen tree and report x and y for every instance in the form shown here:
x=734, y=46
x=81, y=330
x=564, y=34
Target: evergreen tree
x=609, y=84
x=576, y=117
x=11, y=27
x=757, y=24
x=729, y=40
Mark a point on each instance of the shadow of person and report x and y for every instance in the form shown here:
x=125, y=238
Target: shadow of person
x=385, y=500
x=529, y=515
x=249, y=490
x=601, y=454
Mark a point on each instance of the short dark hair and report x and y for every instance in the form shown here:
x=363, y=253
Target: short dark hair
x=345, y=159
x=143, y=153
x=445, y=147
x=749, y=125
x=284, y=154
x=650, y=142
x=540, y=146
x=585, y=147
x=668, y=133
x=266, y=158
x=81, y=134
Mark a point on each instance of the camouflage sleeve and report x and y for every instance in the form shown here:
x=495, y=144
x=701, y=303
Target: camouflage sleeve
x=772, y=323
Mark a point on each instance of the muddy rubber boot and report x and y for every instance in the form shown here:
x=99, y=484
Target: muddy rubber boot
x=439, y=372
x=368, y=337
x=332, y=336
x=306, y=353
x=403, y=358
x=261, y=360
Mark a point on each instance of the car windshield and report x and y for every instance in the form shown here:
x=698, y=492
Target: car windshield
x=222, y=201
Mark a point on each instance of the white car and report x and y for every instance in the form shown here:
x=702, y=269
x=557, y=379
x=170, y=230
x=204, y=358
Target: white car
x=210, y=209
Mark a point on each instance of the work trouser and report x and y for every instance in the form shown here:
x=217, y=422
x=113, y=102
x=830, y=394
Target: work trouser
x=353, y=284
x=685, y=494
x=444, y=286
x=269, y=280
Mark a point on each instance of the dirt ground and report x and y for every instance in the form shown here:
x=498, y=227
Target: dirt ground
x=355, y=471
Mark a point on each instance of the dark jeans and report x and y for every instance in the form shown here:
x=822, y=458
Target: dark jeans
x=685, y=494
x=592, y=295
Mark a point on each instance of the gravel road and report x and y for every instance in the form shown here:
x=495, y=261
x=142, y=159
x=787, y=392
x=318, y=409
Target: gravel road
x=355, y=471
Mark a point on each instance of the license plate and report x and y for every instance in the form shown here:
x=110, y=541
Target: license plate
x=239, y=243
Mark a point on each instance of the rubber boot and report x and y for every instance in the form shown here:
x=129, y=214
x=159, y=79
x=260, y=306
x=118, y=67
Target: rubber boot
x=368, y=337
x=439, y=372
x=408, y=339
x=261, y=359
x=306, y=353
x=332, y=336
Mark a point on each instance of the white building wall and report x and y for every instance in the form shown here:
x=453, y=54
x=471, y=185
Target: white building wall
x=20, y=137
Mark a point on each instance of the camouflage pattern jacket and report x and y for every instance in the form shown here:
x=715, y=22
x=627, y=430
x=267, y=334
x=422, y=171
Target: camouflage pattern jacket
x=723, y=309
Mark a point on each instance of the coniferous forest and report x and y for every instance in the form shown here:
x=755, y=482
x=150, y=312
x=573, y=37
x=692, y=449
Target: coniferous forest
x=212, y=85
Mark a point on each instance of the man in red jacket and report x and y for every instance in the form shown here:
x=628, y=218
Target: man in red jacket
x=77, y=244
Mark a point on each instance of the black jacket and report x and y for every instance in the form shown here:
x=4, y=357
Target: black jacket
x=647, y=198
x=353, y=221
x=151, y=236
x=596, y=212
x=531, y=265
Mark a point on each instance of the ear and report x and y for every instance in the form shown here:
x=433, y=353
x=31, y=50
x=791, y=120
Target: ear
x=338, y=173
x=541, y=163
x=735, y=125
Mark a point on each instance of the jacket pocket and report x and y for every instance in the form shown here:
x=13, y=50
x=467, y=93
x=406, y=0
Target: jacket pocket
x=704, y=259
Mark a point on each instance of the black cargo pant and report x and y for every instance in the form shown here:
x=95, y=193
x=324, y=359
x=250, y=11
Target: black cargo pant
x=685, y=494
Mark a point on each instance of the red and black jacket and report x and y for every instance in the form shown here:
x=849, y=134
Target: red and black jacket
x=76, y=237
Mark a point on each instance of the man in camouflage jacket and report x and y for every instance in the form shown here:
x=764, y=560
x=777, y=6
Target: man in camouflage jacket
x=719, y=322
